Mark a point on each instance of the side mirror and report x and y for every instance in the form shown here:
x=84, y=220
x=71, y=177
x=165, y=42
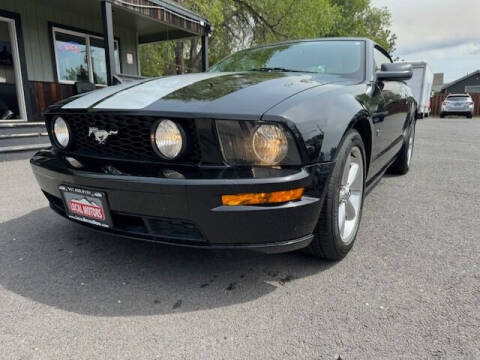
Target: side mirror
x=395, y=72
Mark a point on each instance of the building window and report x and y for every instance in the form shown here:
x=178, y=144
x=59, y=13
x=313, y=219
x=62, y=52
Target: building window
x=81, y=57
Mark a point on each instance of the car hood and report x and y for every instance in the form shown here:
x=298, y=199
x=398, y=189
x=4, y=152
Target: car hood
x=246, y=95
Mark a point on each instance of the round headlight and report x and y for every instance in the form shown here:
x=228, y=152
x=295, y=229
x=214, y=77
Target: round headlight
x=61, y=131
x=169, y=139
x=270, y=144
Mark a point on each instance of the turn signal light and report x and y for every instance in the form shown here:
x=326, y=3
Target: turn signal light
x=262, y=198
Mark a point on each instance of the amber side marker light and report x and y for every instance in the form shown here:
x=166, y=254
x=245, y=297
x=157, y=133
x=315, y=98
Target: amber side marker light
x=262, y=198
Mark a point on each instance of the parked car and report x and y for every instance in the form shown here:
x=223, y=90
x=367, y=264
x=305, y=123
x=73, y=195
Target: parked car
x=421, y=85
x=273, y=149
x=457, y=104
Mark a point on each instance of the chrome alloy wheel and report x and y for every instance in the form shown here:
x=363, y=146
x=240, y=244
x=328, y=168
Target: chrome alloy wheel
x=350, y=195
x=411, y=141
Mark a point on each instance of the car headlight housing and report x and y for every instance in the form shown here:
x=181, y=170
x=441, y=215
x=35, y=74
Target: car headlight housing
x=254, y=143
x=168, y=139
x=270, y=144
x=61, y=132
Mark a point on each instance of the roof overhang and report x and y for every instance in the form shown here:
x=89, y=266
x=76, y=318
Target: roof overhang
x=445, y=86
x=157, y=20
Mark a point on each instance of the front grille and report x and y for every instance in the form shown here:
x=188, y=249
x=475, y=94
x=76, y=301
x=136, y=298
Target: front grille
x=174, y=228
x=166, y=229
x=132, y=142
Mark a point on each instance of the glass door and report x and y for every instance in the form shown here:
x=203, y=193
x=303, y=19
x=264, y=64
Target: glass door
x=12, y=99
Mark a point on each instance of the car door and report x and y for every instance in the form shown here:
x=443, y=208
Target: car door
x=392, y=111
x=397, y=106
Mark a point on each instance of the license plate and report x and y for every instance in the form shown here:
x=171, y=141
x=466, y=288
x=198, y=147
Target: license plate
x=89, y=206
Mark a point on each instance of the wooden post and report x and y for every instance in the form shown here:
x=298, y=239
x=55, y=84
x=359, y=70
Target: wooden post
x=205, y=52
x=108, y=40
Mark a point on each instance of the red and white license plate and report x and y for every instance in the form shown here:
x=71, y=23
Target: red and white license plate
x=83, y=208
x=84, y=205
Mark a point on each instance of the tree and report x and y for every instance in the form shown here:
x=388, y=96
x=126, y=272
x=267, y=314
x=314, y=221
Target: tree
x=359, y=18
x=240, y=24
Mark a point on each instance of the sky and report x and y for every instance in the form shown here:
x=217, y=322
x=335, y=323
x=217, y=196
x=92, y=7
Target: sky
x=445, y=33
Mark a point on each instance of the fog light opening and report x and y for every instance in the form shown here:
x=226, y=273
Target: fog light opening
x=262, y=198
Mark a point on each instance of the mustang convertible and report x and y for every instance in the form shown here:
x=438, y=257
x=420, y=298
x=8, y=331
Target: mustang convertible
x=273, y=149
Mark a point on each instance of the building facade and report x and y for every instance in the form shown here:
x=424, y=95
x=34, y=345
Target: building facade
x=466, y=84
x=49, y=47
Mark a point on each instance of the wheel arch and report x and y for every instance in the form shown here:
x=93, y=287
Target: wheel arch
x=365, y=129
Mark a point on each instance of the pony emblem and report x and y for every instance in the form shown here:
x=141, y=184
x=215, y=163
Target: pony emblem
x=101, y=135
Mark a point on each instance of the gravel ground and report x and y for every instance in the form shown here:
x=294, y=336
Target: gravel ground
x=409, y=289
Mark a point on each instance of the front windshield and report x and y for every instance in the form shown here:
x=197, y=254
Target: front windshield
x=343, y=57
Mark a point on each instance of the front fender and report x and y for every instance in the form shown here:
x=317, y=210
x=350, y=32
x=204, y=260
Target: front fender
x=321, y=117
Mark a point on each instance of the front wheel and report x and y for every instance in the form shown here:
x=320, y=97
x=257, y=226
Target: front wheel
x=339, y=221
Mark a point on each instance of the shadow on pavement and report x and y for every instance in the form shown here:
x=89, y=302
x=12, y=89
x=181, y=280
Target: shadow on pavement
x=52, y=261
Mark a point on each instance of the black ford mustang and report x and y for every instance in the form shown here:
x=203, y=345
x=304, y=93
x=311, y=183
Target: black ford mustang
x=273, y=149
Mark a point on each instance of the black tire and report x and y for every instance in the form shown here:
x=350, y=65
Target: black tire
x=442, y=116
x=469, y=116
x=327, y=243
x=402, y=163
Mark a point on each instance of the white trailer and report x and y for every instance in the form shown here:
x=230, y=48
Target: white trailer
x=421, y=85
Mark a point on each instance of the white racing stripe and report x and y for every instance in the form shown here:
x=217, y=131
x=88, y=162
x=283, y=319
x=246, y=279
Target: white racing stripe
x=95, y=96
x=146, y=94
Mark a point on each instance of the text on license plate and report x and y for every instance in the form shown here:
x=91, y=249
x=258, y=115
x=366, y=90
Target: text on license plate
x=84, y=208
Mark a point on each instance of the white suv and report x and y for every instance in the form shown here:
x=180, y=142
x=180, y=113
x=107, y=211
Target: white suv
x=457, y=104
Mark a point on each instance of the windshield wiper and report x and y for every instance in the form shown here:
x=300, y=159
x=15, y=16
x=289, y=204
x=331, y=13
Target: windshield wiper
x=280, y=69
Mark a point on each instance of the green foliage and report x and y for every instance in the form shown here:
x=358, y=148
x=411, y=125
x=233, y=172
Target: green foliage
x=359, y=18
x=155, y=59
x=239, y=24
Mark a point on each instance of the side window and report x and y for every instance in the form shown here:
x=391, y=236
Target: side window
x=380, y=58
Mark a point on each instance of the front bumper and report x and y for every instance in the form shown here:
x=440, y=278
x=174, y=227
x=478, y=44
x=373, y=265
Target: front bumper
x=459, y=112
x=182, y=206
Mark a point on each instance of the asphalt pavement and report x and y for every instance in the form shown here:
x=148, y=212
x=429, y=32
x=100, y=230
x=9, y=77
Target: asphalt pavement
x=409, y=289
